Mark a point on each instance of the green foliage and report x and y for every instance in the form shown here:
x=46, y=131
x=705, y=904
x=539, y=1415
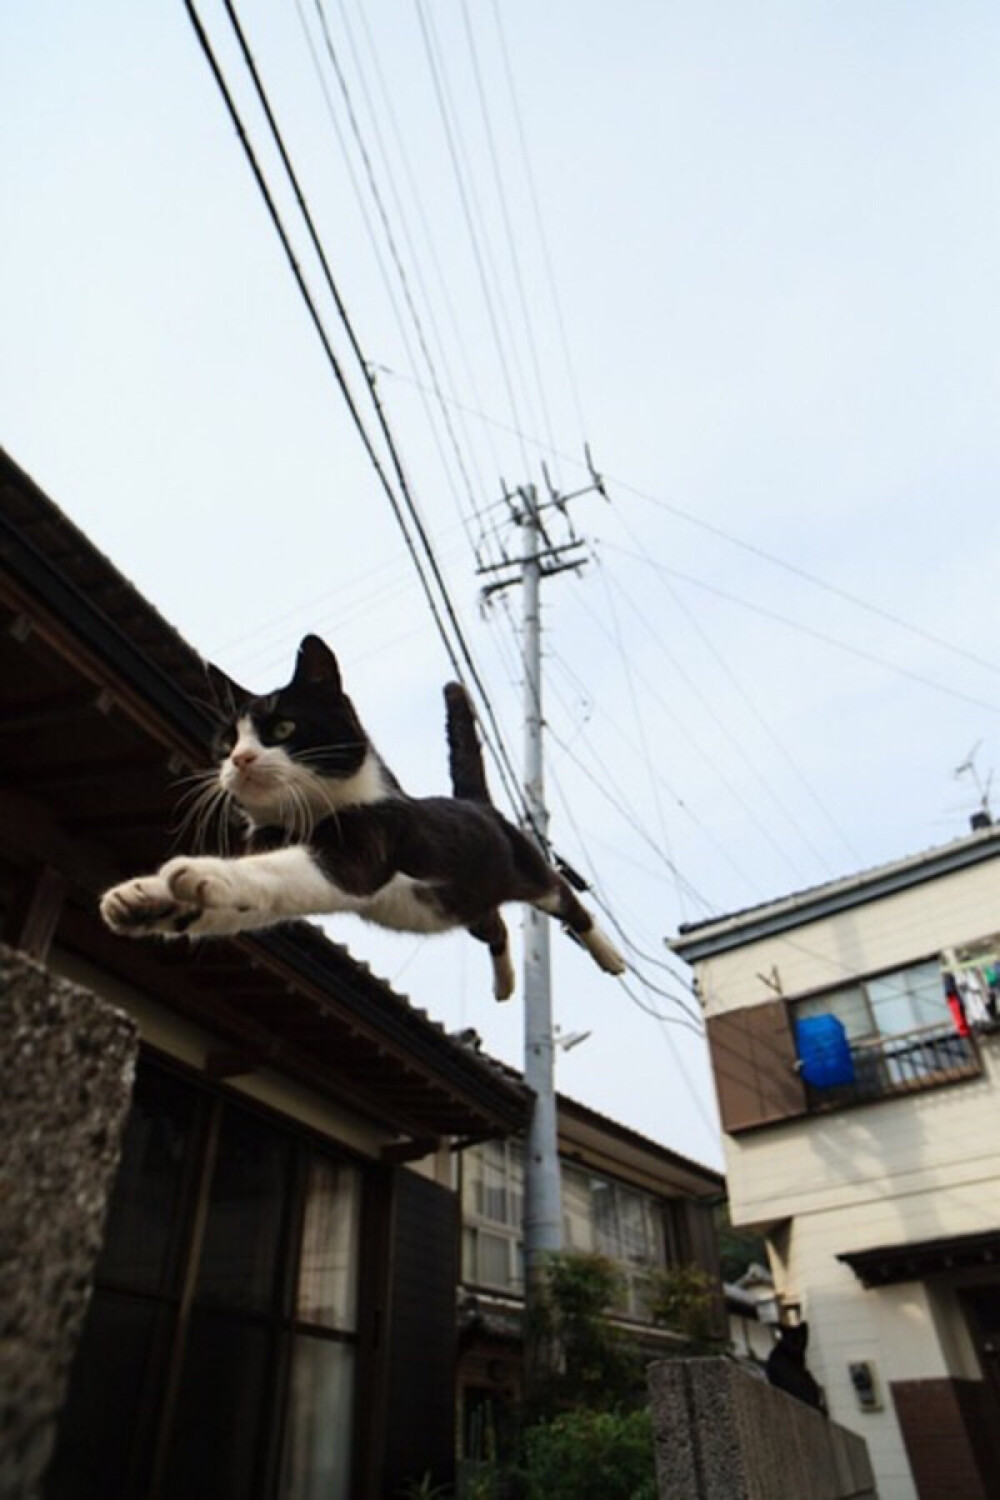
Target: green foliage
x=738, y=1248
x=682, y=1298
x=591, y=1455
x=595, y=1365
x=425, y=1489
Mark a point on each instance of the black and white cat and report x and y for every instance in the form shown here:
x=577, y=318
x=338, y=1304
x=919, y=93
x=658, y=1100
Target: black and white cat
x=328, y=828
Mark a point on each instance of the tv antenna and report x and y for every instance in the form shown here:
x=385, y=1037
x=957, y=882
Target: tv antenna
x=969, y=768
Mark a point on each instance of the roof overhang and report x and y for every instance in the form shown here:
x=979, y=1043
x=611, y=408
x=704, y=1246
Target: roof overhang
x=594, y=1140
x=888, y=1264
x=702, y=940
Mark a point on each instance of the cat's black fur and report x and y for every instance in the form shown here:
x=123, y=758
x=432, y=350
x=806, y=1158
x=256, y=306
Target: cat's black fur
x=786, y=1365
x=329, y=828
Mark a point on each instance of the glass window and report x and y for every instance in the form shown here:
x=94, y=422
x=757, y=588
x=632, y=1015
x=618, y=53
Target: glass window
x=634, y=1227
x=278, y=1261
x=909, y=999
x=91, y=1460
x=494, y=1259
x=604, y=1207
x=888, y=1006
x=327, y=1291
x=493, y=1202
x=317, y=1458
x=578, y=1225
x=220, y=1427
x=493, y=1177
x=145, y=1208
x=849, y=1005
x=246, y=1214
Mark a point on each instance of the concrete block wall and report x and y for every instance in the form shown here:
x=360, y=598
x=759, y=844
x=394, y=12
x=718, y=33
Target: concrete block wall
x=722, y=1433
x=67, y=1061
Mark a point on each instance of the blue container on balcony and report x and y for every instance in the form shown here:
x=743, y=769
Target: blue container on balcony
x=825, y=1060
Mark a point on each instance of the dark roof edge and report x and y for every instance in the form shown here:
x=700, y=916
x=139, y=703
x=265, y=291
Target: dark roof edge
x=307, y=949
x=887, y=1264
x=41, y=577
x=723, y=934
x=713, y=1179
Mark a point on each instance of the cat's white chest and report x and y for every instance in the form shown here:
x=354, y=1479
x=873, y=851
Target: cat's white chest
x=400, y=905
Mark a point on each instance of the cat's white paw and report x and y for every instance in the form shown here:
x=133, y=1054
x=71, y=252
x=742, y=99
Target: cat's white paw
x=200, y=882
x=138, y=907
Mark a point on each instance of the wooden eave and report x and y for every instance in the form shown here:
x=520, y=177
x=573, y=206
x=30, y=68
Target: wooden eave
x=596, y=1141
x=102, y=713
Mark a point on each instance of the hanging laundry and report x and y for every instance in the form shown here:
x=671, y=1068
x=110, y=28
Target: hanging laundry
x=974, y=992
x=955, y=1004
x=991, y=974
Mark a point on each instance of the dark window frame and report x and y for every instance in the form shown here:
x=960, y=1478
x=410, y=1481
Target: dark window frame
x=175, y=1305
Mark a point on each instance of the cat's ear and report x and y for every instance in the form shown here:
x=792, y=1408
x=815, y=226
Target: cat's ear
x=227, y=694
x=317, y=665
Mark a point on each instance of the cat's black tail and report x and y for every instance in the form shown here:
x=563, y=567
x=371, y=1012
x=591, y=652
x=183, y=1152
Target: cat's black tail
x=465, y=753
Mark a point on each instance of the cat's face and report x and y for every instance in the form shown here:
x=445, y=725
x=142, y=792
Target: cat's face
x=288, y=751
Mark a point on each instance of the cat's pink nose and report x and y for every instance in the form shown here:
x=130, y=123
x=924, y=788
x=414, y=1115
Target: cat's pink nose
x=242, y=759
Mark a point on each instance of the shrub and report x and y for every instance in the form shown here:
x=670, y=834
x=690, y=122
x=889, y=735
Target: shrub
x=591, y=1455
x=682, y=1298
x=592, y=1363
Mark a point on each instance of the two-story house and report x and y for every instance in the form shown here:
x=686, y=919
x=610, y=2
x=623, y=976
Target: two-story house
x=856, y=1054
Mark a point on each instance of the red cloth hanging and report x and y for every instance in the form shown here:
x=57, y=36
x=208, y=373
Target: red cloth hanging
x=956, y=1006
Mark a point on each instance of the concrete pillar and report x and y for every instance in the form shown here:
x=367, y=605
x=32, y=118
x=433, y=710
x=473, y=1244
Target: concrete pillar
x=67, y=1061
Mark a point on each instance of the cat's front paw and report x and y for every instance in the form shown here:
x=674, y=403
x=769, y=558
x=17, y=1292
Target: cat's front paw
x=138, y=907
x=200, y=882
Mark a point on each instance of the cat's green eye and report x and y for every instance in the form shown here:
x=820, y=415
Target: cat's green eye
x=283, y=729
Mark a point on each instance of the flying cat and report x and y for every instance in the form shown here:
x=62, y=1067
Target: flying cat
x=328, y=828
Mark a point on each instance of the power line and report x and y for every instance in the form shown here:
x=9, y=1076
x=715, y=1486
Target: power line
x=394, y=252
x=808, y=577
x=740, y=749
x=497, y=746
x=507, y=223
x=736, y=541
x=819, y=635
x=529, y=176
x=466, y=202
x=417, y=198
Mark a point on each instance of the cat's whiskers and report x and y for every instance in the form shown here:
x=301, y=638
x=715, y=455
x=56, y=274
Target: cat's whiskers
x=197, y=805
x=322, y=793
x=300, y=821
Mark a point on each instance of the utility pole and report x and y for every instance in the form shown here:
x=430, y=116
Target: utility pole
x=540, y=558
x=542, y=1195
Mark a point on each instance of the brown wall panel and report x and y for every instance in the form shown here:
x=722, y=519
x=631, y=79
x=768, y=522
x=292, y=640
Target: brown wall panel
x=948, y=1427
x=753, y=1060
x=422, y=1335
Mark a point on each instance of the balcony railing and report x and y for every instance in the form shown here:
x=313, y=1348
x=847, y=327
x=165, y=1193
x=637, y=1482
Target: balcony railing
x=886, y=1067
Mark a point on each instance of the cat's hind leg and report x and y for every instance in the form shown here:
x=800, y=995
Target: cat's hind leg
x=560, y=901
x=492, y=930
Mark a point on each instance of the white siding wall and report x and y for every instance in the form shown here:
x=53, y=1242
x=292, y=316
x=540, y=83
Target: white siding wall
x=925, y=1164
x=898, y=930
x=913, y=1168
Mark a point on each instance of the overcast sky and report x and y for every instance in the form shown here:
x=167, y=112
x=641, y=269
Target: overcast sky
x=747, y=251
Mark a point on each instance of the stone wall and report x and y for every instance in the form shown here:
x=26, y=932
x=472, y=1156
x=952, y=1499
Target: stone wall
x=722, y=1433
x=66, y=1066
